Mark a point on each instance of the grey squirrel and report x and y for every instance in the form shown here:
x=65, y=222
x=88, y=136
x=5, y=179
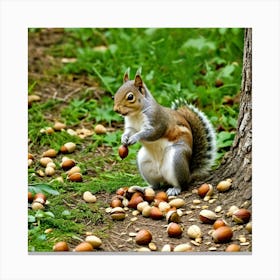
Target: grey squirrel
x=178, y=143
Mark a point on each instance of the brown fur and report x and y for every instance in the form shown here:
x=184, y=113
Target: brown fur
x=179, y=129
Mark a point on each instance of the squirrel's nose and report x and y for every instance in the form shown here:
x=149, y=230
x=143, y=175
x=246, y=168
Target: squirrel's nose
x=116, y=109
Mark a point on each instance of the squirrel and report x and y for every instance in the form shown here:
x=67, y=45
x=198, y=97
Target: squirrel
x=178, y=143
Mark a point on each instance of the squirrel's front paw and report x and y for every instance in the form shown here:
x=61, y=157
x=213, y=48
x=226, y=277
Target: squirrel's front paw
x=124, y=140
x=132, y=140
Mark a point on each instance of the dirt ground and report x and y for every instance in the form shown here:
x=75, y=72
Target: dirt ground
x=122, y=233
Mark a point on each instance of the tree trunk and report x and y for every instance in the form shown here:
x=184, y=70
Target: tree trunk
x=237, y=163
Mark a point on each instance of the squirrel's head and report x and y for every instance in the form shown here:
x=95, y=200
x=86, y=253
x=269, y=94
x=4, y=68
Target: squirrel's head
x=129, y=98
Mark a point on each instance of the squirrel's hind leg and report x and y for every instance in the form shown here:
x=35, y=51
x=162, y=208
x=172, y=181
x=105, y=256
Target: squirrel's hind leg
x=175, y=168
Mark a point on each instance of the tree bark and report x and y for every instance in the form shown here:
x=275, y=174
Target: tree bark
x=237, y=163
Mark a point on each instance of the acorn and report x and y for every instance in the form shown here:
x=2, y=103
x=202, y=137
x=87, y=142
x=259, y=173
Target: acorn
x=143, y=237
x=51, y=153
x=45, y=160
x=164, y=206
x=143, y=249
x=61, y=246
x=41, y=173
x=121, y=191
x=146, y=211
x=94, y=241
x=135, y=200
x=219, y=223
x=30, y=196
x=162, y=196
x=155, y=213
x=49, y=171
x=116, y=202
x=68, y=164
x=222, y=234
x=51, y=164
x=83, y=247
x=132, y=190
x=68, y=148
x=248, y=227
x=149, y=194
x=172, y=216
x=174, y=230
x=32, y=98
x=59, y=126
x=225, y=185
x=177, y=202
x=207, y=216
x=231, y=210
x=194, y=231
x=123, y=151
x=142, y=205
x=166, y=248
x=205, y=190
x=30, y=162
x=241, y=216
x=89, y=197
x=100, y=129
x=185, y=247
x=30, y=156
x=75, y=177
x=40, y=197
x=152, y=246
x=118, y=214
x=233, y=248
x=74, y=169
x=47, y=130
x=37, y=206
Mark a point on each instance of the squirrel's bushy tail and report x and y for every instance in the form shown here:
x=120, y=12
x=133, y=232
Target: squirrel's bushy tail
x=204, y=138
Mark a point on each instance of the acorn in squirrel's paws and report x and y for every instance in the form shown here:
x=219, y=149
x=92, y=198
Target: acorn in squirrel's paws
x=123, y=151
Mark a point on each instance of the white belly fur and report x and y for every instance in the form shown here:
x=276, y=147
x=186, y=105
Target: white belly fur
x=155, y=149
x=155, y=161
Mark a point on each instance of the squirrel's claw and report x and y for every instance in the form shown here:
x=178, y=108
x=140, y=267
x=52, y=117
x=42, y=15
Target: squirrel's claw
x=132, y=140
x=173, y=191
x=125, y=139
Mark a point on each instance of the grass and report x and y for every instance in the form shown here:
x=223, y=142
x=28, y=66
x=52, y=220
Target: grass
x=201, y=65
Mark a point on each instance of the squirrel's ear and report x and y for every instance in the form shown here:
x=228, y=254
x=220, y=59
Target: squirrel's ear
x=126, y=75
x=138, y=80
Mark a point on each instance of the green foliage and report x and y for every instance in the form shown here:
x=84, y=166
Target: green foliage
x=176, y=62
x=66, y=218
x=89, y=111
x=42, y=188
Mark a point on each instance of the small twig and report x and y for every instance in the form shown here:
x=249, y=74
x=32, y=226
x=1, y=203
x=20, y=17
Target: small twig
x=110, y=245
x=114, y=232
x=55, y=94
x=70, y=205
x=71, y=93
x=128, y=225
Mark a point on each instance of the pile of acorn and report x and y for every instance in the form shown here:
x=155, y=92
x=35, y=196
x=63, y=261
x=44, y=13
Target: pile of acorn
x=149, y=204
x=68, y=165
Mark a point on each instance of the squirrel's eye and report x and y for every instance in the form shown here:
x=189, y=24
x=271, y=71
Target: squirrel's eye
x=130, y=96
